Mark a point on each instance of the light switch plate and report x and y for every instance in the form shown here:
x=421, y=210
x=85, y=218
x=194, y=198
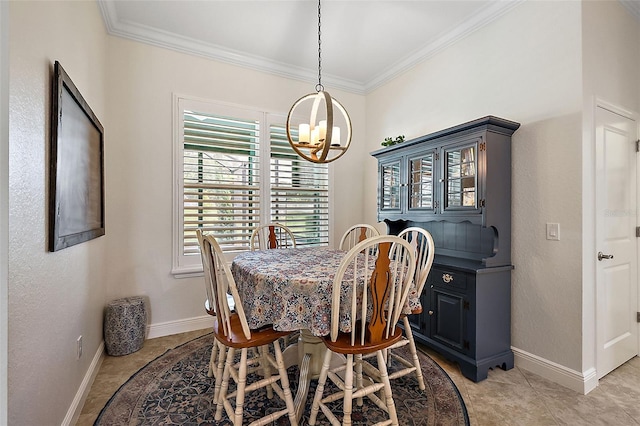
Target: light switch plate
x=553, y=231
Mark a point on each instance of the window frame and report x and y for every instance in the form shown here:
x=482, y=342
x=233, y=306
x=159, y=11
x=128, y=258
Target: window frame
x=189, y=265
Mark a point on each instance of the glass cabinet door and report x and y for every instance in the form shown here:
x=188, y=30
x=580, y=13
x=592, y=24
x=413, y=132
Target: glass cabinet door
x=421, y=175
x=390, y=186
x=461, y=183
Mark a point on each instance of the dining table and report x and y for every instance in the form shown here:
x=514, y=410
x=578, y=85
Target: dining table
x=290, y=290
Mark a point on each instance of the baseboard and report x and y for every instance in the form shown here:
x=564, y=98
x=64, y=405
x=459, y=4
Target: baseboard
x=83, y=391
x=579, y=382
x=153, y=330
x=179, y=326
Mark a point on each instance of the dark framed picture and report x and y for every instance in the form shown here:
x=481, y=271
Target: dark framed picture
x=76, y=198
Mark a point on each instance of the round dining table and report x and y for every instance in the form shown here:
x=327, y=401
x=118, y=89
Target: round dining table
x=290, y=289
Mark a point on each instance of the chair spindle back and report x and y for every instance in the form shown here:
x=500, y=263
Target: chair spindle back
x=271, y=236
x=373, y=309
x=222, y=284
x=422, y=242
x=357, y=233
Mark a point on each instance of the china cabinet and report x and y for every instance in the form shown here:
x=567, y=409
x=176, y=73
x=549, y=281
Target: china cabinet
x=456, y=183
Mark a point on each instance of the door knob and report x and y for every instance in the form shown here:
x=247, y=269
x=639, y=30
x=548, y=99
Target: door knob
x=604, y=256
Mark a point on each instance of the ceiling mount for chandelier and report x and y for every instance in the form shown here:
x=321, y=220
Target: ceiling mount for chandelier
x=315, y=121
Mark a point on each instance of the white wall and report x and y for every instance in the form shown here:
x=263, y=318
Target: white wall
x=53, y=297
x=4, y=204
x=611, y=60
x=141, y=81
x=525, y=67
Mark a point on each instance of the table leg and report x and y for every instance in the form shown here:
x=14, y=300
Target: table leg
x=304, y=381
x=308, y=353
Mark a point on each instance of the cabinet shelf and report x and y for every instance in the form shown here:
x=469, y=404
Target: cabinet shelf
x=456, y=183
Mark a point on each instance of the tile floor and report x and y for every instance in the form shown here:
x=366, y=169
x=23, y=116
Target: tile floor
x=514, y=397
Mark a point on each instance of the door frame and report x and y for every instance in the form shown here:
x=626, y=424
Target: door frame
x=589, y=244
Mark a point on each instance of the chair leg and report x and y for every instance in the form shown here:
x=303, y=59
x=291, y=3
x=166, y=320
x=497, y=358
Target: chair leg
x=240, y=387
x=348, y=391
x=414, y=352
x=222, y=396
x=320, y=388
x=222, y=352
x=212, y=360
x=359, y=380
x=284, y=381
x=266, y=367
x=384, y=377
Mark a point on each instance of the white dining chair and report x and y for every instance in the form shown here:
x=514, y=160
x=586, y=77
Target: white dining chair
x=270, y=236
x=218, y=352
x=232, y=331
x=372, y=311
x=422, y=243
x=356, y=234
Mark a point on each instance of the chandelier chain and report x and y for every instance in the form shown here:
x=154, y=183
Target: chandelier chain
x=319, y=86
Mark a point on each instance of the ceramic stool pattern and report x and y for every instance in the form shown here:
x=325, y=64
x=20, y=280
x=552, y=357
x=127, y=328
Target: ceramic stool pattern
x=125, y=322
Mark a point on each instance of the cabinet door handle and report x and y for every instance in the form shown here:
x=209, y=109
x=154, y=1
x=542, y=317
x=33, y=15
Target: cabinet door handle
x=430, y=312
x=447, y=278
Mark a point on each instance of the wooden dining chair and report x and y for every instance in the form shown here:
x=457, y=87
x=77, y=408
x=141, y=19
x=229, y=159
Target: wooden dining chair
x=232, y=331
x=218, y=352
x=356, y=234
x=423, y=246
x=368, y=296
x=270, y=236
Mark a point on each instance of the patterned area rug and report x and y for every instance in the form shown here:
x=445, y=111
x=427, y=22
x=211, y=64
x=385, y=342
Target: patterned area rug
x=174, y=390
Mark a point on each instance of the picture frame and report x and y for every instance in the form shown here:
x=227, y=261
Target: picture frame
x=76, y=169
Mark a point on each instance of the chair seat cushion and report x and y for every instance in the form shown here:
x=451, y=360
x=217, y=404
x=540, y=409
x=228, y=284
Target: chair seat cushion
x=236, y=338
x=343, y=345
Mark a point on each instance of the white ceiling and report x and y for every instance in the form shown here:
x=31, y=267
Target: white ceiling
x=364, y=42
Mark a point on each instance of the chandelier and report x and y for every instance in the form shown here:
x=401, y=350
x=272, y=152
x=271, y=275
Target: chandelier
x=319, y=138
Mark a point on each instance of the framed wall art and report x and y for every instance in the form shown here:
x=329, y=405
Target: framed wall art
x=76, y=198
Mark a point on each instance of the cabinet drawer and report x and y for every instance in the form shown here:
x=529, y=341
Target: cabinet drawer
x=446, y=279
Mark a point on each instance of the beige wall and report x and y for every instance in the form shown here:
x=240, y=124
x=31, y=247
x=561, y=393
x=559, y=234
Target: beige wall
x=525, y=67
x=611, y=60
x=141, y=81
x=53, y=297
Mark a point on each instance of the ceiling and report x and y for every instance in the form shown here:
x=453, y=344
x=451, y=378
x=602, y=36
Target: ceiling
x=364, y=42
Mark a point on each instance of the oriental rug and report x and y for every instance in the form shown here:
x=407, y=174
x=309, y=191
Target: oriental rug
x=174, y=389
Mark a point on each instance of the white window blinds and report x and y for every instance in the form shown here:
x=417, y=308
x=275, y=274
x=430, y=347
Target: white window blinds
x=221, y=179
x=299, y=192
x=235, y=170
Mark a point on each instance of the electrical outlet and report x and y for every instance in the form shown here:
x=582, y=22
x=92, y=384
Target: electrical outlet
x=79, y=347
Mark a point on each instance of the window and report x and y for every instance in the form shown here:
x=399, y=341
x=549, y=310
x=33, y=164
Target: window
x=299, y=192
x=234, y=169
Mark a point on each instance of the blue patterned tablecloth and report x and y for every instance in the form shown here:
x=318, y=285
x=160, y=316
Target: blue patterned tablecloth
x=291, y=288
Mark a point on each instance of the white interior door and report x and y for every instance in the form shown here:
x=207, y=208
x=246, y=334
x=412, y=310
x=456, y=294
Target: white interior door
x=616, y=242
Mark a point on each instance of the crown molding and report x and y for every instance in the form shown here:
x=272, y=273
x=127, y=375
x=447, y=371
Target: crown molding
x=632, y=6
x=153, y=36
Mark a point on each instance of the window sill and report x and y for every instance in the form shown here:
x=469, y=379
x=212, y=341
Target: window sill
x=186, y=272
